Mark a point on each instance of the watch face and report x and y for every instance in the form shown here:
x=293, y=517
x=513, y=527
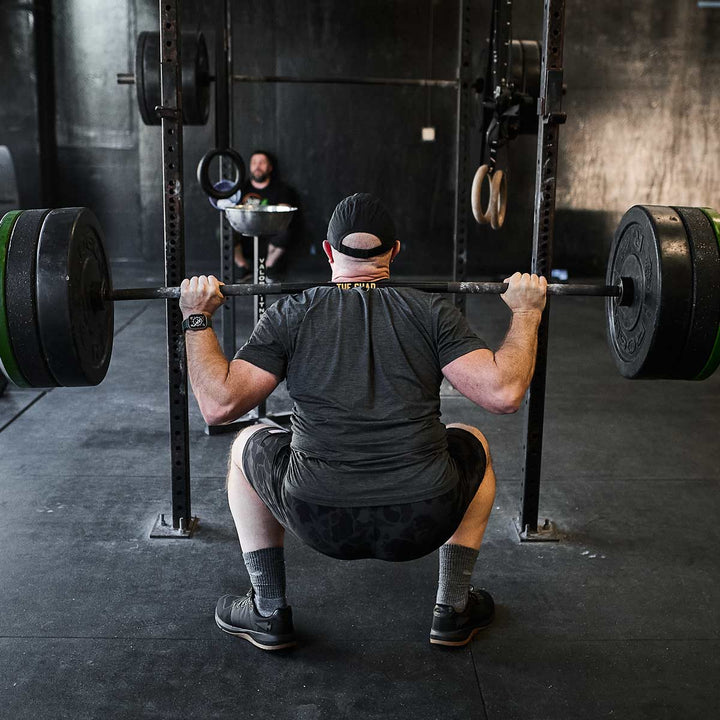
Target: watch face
x=197, y=321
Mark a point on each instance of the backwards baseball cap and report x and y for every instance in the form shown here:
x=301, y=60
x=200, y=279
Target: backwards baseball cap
x=361, y=213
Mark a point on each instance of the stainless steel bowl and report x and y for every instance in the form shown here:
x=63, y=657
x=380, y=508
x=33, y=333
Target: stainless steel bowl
x=254, y=220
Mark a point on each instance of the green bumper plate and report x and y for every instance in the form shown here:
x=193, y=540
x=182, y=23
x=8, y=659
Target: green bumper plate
x=7, y=357
x=714, y=360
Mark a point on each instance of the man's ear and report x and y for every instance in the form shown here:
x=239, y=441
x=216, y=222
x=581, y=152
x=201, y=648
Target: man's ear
x=327, y=247
x=395, y=250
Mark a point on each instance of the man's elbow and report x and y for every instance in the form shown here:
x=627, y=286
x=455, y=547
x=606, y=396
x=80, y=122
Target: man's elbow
x=212, y=414
x=218, y=413
x=508, y=399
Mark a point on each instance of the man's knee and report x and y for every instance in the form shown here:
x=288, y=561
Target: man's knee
x=472, y=429
x=240, y=442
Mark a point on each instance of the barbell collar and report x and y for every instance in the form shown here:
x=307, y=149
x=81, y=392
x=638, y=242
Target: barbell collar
x=470, y=288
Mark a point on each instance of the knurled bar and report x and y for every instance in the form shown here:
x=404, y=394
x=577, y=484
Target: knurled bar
x=467, y=287
x=416, y=82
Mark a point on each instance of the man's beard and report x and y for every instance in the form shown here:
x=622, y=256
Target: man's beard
x=260, y=177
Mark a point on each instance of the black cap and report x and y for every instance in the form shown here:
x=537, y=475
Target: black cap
x=363, y=213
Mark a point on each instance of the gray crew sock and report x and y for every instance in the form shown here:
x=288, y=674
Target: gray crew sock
x=456, y=566
x=266, y=568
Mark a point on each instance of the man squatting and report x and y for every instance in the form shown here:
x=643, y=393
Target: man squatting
x=367, y=470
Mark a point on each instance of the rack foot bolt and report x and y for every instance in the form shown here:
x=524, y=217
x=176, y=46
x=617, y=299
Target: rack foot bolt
x=163, y=528
x=547, y=532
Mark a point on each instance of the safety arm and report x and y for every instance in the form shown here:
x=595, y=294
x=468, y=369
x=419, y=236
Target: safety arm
x=224, y=390
x=498, y=381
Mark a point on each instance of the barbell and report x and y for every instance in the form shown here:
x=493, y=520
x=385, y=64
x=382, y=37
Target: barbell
x=56, y=295
x=196, y=78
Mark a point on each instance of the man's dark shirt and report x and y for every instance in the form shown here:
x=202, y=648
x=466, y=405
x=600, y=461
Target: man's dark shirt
x=363, y=369
x=275, y=193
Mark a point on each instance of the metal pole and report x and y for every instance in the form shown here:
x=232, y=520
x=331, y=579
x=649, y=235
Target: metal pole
x=45, y=87
x=461, y=148
x=174, y=236
x=550, y=116
x=416, y=82
x=223, y=139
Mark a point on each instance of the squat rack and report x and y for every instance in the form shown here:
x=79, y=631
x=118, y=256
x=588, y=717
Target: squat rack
x=549, y=118
x=183, y=523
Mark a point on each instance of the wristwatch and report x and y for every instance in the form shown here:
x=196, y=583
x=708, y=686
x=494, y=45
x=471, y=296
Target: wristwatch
x=196, y=322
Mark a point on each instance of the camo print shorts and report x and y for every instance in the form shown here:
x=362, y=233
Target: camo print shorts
x=405, y=531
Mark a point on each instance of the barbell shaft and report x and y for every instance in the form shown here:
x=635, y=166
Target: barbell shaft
x=129, y=79
x=471, y=288
x=417, y=82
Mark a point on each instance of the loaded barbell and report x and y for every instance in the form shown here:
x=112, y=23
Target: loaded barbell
x=524, y=80
x=56, y=295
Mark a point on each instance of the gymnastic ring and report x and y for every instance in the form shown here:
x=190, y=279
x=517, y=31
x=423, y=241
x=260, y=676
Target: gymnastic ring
x=203, y=173
x=482, y=216
x=498, y=199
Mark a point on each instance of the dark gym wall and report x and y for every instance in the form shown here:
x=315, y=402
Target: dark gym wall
x=19, y=112
x=333, y=140
x=642, y=117
x=641, y=120
x=97, y=123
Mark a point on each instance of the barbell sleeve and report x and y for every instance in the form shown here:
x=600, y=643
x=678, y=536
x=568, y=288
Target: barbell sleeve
x=471, y=288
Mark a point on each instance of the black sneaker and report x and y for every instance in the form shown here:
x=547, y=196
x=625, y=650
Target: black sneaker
x=237, y=615
x=453, y=628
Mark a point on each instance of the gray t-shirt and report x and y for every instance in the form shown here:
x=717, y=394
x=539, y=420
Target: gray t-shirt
x=363, y=368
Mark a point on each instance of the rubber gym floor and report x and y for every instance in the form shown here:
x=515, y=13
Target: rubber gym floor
x=620, y=619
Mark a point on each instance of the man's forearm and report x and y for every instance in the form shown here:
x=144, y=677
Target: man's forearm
x=516, y=356
x=207, y=368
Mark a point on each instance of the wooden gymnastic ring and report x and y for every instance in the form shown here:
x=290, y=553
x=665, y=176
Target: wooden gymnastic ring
x=498, y=199
x=482, y=216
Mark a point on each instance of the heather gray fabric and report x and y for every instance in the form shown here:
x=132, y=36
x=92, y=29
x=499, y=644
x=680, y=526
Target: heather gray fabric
x=266, y=568
x=363, y=369
x=456, y=566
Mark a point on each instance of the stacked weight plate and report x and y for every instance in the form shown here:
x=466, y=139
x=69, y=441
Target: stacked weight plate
x=8, y=364
x=705, y=312
x=195, y=77
x=21, y=304
x=670, y=259
x=55, y=327
x=525, y=61
x=713, y=359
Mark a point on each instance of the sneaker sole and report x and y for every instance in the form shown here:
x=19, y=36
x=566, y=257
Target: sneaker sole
x=248, y=635
x=458, y=643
